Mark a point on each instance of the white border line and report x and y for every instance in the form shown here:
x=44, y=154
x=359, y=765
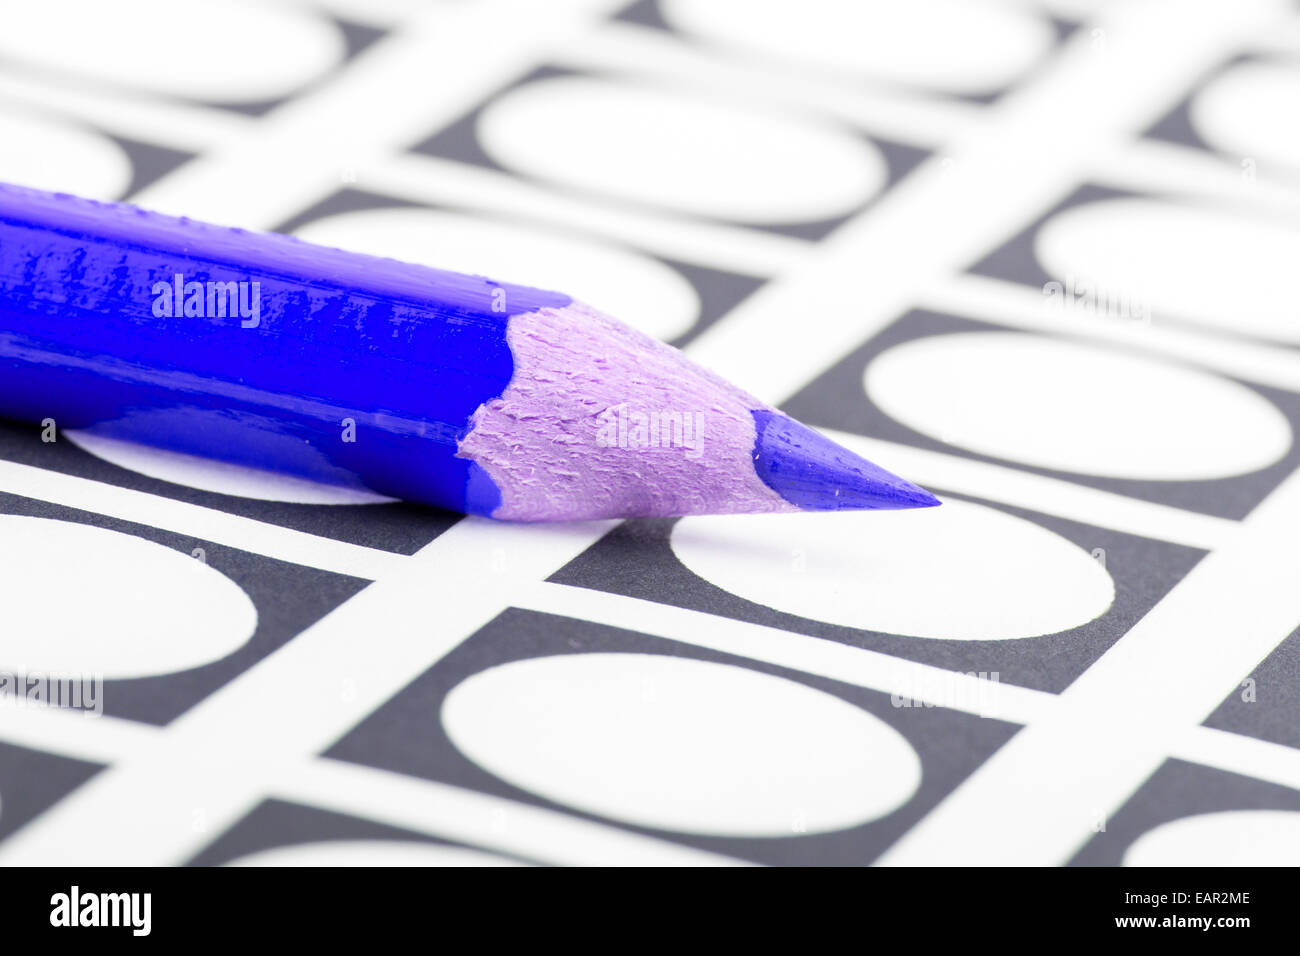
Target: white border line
x=1017, y=306
x=196, y=521
x=1035, y=801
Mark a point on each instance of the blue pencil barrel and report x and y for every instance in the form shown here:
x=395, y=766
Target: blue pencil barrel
x=255, y=349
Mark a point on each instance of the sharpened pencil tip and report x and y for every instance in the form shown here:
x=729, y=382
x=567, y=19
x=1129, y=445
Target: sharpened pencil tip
x=809, y=470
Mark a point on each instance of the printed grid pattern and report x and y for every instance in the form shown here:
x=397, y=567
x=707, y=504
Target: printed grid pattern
x=282, y=737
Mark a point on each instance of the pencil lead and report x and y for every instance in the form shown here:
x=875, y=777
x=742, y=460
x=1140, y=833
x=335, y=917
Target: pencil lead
x=809, y=470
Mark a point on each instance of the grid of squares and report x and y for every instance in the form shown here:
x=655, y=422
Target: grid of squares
x=325, y=726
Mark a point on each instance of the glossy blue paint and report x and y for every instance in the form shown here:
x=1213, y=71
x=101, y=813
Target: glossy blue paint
x=811, y=471
x=404, y=351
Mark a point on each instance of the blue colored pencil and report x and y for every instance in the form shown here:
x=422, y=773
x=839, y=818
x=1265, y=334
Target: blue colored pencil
x=450, y=390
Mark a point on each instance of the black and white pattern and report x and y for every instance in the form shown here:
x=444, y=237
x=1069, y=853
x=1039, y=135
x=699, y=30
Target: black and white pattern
x=1035, y=255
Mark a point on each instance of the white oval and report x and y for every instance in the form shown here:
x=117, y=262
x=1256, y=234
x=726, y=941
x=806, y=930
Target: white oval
x=61, y=157
x=1229, y=838
x=350, y=853
x=894, y=41
x=1207, y=265
x=679, y=152
x=681, y=744
x=83, y=600
x=1248, y=111
x=637, y=290
x=226, y=51
x=1077, y=407
x=207, y=474
x=959, y=572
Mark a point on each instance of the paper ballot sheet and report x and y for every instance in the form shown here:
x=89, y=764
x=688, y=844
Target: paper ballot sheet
x=1035, y=256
